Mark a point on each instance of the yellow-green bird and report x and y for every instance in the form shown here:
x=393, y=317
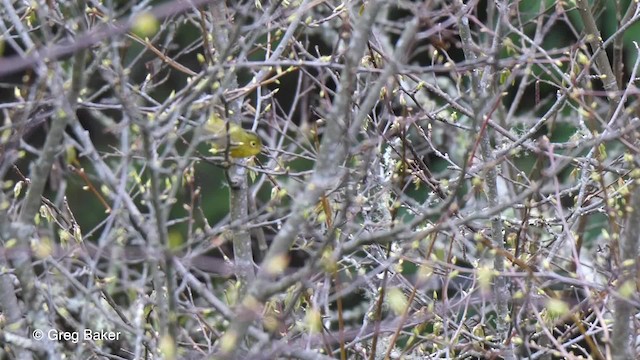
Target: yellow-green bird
x=244, y=143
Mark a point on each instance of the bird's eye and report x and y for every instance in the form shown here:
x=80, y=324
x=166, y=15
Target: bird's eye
x=253, y=144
